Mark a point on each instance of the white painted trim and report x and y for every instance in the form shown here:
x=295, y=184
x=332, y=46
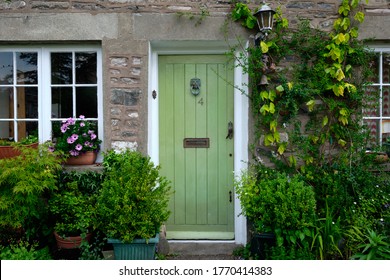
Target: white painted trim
x=240, y=112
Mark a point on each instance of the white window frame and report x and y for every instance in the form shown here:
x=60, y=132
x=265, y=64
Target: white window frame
x=44, y=88
x=380, y=84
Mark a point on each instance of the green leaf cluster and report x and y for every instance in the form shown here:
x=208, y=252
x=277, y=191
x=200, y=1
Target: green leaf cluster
x=134, y=197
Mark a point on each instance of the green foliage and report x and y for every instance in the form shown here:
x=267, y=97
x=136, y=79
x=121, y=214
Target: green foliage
x=25, y=182
x=375, y=247
x=134, y=197
x=24, y=251
x=277, y=202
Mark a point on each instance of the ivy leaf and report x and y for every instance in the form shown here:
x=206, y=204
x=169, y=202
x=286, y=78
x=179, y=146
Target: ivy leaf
x=272, y=108
x=342, y=142
x=264, y=109
x=325, y=121
x=268, y=139
x=338, y=90
x=292, y=160
x=271, y=95
x=264, y=47
x=264, y=94
x=280, y=88
x=310, y=104
x=340, y=74
x=272, y=125
x=282, y=148
x=359, y=17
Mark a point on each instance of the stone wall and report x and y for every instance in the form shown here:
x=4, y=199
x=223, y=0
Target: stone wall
x=124, y=29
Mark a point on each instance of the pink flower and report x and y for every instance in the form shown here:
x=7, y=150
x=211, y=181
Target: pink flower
x=79, y=147
x=93, y=136
x=75, y=137
x=82, y=124
x=82, y=117
x=74, y=153
x=70, y=140
x=64, y=128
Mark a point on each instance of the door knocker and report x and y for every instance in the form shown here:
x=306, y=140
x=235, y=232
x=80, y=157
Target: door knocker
x=195, y=86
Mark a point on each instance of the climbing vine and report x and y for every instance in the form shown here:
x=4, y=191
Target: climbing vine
x=325, y=81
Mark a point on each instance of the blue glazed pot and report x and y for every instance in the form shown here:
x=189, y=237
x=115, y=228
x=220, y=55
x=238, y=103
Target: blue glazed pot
x=139, y=249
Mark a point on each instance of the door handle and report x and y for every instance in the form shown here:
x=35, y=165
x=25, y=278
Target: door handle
x=230, y=131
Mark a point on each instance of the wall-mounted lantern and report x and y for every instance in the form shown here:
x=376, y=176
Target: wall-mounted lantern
x=265, y=21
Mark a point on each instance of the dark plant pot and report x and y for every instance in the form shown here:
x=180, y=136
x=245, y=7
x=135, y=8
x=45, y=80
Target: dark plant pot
x=139, y=249
x=261, y=242
x=70, y=242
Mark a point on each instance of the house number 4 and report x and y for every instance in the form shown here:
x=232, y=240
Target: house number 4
x=201, y=101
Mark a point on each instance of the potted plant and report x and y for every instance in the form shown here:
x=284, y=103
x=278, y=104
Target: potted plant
x=9, y=148
x=132, y=204
x=77, y=139
x=281, y=208
x=73, y=213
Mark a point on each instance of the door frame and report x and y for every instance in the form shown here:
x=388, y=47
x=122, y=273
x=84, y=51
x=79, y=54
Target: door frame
x=241, y=110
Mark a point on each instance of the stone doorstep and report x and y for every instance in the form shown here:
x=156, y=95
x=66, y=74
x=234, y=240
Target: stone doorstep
x=194, y=251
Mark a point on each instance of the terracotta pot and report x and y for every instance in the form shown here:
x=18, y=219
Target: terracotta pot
x=86, y=158
x=70, y=242
x=10, y=151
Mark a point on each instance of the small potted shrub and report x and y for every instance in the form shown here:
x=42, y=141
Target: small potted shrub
x=277, y=205
x=77, y=139
x=73, y=213
x=132, y=204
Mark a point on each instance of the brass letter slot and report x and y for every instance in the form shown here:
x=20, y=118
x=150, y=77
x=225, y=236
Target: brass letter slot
x=196, y=143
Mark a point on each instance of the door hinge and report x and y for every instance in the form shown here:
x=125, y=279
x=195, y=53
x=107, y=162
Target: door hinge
x=230, y=196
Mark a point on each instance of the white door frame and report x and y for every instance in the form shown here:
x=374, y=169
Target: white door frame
x=240, y=111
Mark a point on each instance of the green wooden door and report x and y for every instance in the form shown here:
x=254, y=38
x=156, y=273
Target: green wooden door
x=195, y=153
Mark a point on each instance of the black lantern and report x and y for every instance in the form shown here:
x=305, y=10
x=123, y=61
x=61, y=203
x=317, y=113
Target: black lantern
x=265, y=19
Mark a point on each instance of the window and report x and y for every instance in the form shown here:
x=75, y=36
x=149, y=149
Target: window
x=377, y=116
x=40, y=87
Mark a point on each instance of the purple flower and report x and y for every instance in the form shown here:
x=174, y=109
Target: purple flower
x=93, y=136
x=82, y=124
x=82, y=117
x=79, y=147
x=75, y=137
x=74, y=153
x=64, y=128
x=70, y=140
x=51, y=149
x=71, y=121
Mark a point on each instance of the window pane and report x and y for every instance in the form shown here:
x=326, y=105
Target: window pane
x=386, y=68
x=6, y=68
x=86, y=68
x=27, y=128
x=61, y=102
x=26, y=66
x=61, y=68
x=373, y=129
x=5, y=129
x=27, y=98
x=6, y=103
x=386, y=102
x=371, y=102
x=86, y=102
x=375, y=69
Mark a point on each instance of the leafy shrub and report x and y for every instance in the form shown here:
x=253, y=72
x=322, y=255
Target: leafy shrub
x=24, y=251
x=276, y=202
x=25, y=182
x=134, y=197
